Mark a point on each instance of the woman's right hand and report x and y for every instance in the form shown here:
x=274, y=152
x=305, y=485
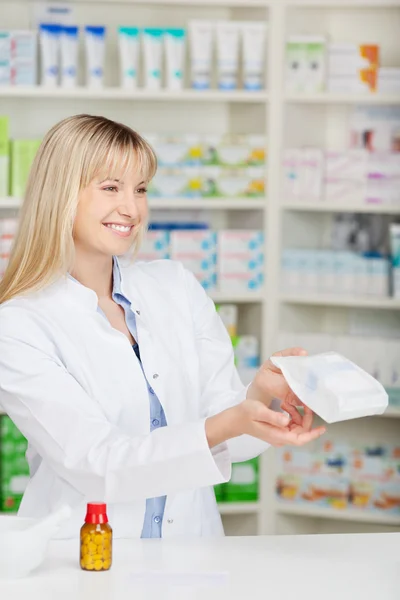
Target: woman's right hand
x=253, y=417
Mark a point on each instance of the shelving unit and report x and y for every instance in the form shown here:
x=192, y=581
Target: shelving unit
x=179, y=203
x=288, y=120
x=116, y=93
x=327, y=207
x=344, y=301
x=338, y=515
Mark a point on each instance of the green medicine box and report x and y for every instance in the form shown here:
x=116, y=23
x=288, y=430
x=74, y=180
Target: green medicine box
x=243, y=486
x=22, y=154
x=14, y=469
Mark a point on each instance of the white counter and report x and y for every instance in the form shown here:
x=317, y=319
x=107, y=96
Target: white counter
x=339, y=567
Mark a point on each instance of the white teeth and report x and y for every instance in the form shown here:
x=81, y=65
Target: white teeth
x=119, y=227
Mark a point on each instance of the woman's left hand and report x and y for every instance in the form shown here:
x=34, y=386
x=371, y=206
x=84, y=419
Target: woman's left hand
x=269, y=383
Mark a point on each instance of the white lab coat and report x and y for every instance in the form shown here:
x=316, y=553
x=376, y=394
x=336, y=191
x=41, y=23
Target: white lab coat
x=73, y=386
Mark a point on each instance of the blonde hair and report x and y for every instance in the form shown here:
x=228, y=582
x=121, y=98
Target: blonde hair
x=71, y=155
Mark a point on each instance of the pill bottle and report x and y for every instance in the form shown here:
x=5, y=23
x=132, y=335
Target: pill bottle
x=96, y=539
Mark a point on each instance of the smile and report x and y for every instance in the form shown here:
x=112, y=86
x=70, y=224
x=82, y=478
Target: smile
x=121, y=230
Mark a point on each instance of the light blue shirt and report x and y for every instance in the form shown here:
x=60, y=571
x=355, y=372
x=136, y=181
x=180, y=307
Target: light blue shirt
x=152, y=526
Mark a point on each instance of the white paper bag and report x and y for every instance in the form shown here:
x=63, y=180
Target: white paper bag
x=332, y=386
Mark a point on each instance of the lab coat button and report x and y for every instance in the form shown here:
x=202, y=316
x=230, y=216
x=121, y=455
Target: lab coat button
x=138, y=312
x=170, y=521
x=155, y=376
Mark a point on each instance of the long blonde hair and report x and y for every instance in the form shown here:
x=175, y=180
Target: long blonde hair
x=72, y=153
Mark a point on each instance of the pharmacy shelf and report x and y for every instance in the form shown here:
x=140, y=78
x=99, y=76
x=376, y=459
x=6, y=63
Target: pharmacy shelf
x=116, y=93
x=210, y=3
x=391, y=413
x=345, y=301
x=243, y=298
x=179, y=203
x=321, y=206
x=239, y=508
x=208, y=204
x=339, y=515
x=7, y=203
x=326, y=98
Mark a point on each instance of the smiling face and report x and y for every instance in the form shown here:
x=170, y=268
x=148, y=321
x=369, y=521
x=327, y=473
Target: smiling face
x=112, y=210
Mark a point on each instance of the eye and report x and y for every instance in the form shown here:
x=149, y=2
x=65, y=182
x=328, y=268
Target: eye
x=141, y=190
x=110, y=188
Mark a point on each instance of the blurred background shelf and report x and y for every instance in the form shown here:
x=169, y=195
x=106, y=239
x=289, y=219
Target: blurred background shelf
x=116, y=93
x=328, y=207
x=239, y=508
x=179, y=203
x=339, y=515
x=374, y=99
x=209, y=204
x=344, y=301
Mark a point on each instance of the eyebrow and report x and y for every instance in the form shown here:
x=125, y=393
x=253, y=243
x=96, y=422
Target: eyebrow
x=119, y=181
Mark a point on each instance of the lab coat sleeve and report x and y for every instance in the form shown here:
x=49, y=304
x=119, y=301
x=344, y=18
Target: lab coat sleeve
x=221, y=385
x=71, y=433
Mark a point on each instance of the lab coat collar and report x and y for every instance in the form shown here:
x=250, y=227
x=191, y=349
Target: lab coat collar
x=88, y=297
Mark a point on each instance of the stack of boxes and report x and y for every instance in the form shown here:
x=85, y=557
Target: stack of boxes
x=349, y=177
x=195, y=166
x=14, y=469
x=353, y=68
x=339, y=476
x=346, y=176
x=335, y=272
x=18, y=57
x=197, y=251
x=230, y=261
x=313, y=65
x=16, y=157
x=240, y=260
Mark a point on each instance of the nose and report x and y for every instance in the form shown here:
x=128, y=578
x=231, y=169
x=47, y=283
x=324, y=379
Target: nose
x=129, y=206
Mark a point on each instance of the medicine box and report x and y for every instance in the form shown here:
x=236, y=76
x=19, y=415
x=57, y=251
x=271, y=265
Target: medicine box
x=14, y=469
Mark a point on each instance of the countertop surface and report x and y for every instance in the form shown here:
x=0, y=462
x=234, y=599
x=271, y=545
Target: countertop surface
x=337, y=567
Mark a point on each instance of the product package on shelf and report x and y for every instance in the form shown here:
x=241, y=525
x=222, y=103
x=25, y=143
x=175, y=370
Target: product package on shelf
x=18, y=57
x=14, y=469
x=155, y=246
x=243, y=485
x=22, y=155
x=383, y=181
x=334, y=271
x=375, y=479
x=319, y=476
x=240, y=260
x=345, y=178
x=305, y=64
x=303, y=170
x=196, y=166
x=197, y=250
x=229, y=317
x=353, y=68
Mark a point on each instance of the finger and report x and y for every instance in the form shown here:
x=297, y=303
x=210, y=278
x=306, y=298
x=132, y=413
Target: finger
x=308, y=419
x=294, y=413
x=309, y=436
x=266, y=415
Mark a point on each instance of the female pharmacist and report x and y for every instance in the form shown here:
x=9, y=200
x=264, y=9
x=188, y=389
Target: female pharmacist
x=121, y=374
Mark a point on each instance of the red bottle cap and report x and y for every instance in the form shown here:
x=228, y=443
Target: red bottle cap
x=96, y=513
